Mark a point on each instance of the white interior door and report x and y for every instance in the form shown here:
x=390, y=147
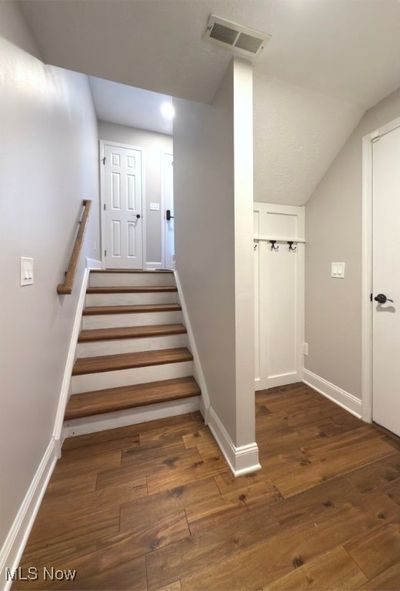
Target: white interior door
x=168, y=202
x=386, y=280
x=123, y=215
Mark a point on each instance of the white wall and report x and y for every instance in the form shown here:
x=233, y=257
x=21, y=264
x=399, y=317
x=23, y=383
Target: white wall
x=213, y=209
x=154, y=145
x=48, y=164
x=333, y=233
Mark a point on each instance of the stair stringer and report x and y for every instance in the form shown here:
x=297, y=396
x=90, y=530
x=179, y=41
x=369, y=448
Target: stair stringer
x=197, y=368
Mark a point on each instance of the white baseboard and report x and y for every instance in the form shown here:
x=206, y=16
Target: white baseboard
x=131, y=416
x=152, y=265
x=344, y=399
x=198, y=370
x=93, y=264
x=66, y=382
x=279, y=380
x=241, y=460
x=14, y=545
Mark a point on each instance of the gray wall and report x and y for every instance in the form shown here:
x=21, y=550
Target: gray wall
x=333, y=233
x=204, y=237
x=48, y=164
x=154, y=145
x=213, y=209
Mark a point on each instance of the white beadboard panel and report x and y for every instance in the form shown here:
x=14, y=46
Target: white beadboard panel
x=126, y=377
x=125, y=279
x=131, y=299
x=279, y=295
x=113, y=347
x=135, y=319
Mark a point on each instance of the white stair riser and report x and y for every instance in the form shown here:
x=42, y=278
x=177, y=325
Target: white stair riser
x=131, y=299
x=121, y=320
x=114, y=279
x=131, y=416
x=126, y=377
x=114, y=347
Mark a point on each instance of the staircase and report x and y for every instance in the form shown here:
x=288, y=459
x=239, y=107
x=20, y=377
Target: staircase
x=133, y=361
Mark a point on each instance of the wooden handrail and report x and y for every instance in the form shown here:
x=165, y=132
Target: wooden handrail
x=66, y=287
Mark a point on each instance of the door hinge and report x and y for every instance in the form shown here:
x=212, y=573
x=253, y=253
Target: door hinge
x=370, y=296
x=104, y=160
x=104, y=207
x=105, y=253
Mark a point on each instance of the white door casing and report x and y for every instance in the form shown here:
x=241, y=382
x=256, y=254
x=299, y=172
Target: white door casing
x=279, y=295
x=122, y=202
x=168, y=204
x=386, y=279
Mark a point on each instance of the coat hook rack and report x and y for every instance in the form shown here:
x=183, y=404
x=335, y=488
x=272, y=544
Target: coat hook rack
x=274, y=246
x=292, y=246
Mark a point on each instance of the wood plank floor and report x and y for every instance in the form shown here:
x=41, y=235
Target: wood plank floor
x=154, y=506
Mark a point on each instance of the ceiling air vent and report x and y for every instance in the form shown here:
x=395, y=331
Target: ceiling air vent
x=239, y=39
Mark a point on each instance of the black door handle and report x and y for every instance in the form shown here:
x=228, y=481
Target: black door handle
x=168, y=215
x=382, y=299
x=138, y=216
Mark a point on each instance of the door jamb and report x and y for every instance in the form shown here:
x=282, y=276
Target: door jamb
x=366, y=268
x=102, y=145
x=162, y=205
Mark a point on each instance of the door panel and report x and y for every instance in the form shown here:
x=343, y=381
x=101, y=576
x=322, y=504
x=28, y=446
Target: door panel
x=279, y=294
x=386, y=280
x=123, y=215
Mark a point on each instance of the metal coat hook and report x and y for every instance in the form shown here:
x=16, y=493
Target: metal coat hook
x=292, y=246
x=274, y=246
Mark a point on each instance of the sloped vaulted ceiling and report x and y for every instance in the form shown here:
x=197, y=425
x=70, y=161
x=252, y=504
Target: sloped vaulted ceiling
x=328, y=61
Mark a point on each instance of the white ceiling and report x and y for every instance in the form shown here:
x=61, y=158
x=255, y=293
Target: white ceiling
x=344, y=47
x=126, y=105
x=327, y=62
x=297, y=134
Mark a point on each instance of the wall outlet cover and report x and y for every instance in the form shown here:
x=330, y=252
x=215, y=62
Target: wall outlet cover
x=305, y=348
x=154, y=206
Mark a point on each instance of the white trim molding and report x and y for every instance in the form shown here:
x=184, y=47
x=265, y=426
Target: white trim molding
x=150, y=265
x=198, y=370
x=93, y=263
x=14, y=545
x=66, y=382
x=241, y=460
x=366, y=268
x=344, y=399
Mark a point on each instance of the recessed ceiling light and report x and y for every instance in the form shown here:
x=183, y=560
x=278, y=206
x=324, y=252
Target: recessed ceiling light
x=167, y=111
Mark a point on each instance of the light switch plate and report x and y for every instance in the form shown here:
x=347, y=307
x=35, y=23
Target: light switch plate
x=154, y=206
x=337, y=270
x=26, y=271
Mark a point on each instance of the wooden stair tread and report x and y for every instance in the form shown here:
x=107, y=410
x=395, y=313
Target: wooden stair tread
x=140, y=308
x=131, y=271
x=122, y=398
x=87, y=365
x=130, y=332
x=132, y=289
